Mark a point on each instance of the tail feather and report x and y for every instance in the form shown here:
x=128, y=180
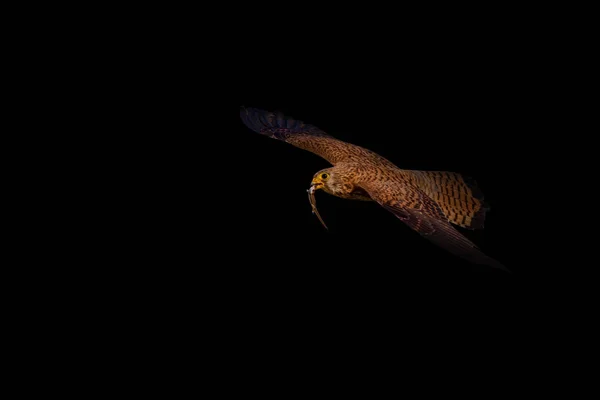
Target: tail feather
x=459, y=197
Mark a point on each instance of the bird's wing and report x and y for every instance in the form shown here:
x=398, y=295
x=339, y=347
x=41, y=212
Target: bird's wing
x=417, y=210
x=304, y=136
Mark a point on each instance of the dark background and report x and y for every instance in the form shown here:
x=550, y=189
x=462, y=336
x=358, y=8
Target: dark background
x=481, y=103
x=239, y=227
x=209, y=229
x=466, y=108
x=205, y=226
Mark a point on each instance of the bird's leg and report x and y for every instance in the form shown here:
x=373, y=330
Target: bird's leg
x=313, y=204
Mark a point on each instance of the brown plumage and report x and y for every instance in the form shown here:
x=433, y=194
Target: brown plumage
x=427, y=201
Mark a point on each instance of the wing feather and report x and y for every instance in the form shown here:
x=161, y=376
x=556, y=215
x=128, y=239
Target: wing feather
x=304, y=136
x=425, y=216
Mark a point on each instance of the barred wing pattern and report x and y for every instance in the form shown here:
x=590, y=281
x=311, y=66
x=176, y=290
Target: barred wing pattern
x=307, y=137
x=422, y=214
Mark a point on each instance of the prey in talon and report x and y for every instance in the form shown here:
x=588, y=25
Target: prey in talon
x=313, y=204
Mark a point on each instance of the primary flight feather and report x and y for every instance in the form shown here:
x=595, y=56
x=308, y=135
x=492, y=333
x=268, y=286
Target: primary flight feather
x=427, y=201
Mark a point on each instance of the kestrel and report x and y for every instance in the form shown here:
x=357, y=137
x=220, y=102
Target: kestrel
x=427, y=201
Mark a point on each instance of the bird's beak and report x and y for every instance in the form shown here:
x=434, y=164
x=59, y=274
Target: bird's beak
x=316, y=184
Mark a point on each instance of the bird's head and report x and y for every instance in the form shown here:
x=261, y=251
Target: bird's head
x=335, y=181
x=327, y=180
x=332, y=180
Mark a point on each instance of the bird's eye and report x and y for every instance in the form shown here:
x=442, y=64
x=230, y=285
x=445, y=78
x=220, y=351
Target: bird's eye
x=324, y=176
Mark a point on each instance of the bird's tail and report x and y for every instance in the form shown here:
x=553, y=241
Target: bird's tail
x=458, y=196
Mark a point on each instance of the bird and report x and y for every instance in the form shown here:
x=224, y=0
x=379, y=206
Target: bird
x=429, y=202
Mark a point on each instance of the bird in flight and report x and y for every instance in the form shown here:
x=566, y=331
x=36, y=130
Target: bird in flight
x=429, y=202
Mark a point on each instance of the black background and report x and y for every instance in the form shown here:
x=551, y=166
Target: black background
x=477, y=105
x=202, y=227
x=233, y=221
x=461, y=121
x=458, y=111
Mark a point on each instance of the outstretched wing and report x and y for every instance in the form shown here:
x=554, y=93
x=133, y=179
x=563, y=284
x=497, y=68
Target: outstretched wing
x=304, y=136
x=417, y=210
